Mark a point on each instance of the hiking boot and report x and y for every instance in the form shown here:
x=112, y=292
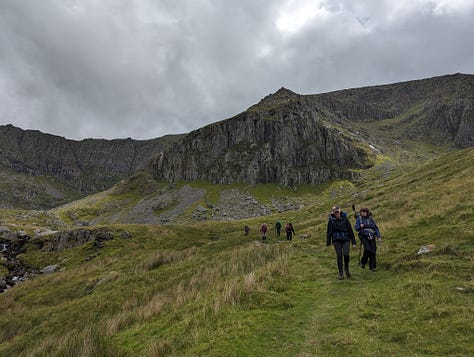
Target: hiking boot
x=362, y=266
x=341, y=276
x=348, y=273
x=373, y=269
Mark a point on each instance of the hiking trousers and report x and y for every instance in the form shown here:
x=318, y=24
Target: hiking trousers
x=343, y=248
x=370, y=250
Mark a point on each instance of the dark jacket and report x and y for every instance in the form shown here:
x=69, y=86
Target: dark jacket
x=370, y=228
x=289, y=228
x=339, y=229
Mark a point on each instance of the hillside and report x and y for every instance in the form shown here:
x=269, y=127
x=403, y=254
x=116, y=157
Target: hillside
x=141, y=199
x=206, y=289
x=436, y=110
x=68, y=168
x=286, y=139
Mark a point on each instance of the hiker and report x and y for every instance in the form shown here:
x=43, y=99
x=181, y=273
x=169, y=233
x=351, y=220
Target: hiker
x=368, y=231
x=289, y=231
x=246, y=230
x=278, y=228
x=264, y=229
x=340, y=234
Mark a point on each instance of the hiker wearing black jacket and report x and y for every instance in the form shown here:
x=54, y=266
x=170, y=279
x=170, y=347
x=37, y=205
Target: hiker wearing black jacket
x=340, y=234
x=368, y=232
x=278, y=228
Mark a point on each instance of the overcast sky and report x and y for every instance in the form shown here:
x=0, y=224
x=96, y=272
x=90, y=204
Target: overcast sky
x=147, y=68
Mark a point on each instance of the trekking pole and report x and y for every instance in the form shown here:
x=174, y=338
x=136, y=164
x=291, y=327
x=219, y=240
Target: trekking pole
x=355, y=212
x=360, y=242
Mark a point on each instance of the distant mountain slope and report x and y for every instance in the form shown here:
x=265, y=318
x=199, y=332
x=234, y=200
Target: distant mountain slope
x=293, y=139
x=439, y=110
x=286, y=138
x=82, y=167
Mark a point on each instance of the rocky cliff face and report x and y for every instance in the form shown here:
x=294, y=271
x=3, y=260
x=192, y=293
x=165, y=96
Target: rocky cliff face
x=85, y=166
x=438, y=110
x=293, y=139
x=281, y=139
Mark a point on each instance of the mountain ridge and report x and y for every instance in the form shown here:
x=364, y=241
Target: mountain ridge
x=294, y=139
x=77, y=167
x=285, y=138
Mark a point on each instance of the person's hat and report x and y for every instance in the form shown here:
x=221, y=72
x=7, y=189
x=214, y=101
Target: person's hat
x=336, y=209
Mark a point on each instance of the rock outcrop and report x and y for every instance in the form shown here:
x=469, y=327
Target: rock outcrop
x=13, y=270
x=281, y=140
x=14, y=243
x=293, y=139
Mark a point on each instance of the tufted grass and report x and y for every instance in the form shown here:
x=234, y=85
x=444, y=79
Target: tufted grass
x=206, y=289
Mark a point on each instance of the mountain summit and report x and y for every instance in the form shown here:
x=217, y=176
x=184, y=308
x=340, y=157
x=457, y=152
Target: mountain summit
x=280, y=97
x=294, y=139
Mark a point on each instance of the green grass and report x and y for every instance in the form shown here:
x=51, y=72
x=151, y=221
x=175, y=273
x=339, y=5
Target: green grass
x=206, y=289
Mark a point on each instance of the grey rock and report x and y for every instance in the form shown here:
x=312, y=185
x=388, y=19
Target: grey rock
x=4, y=229
x=43, y=232
x=49, y=269
x=22, y=234
x=71, y=238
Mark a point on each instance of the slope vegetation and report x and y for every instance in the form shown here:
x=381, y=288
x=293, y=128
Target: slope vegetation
x=206, y=289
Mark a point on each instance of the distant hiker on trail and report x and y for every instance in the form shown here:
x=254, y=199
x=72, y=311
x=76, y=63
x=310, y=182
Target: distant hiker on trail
x=278, y=228
x=264, y=229
x=340, y=234
x=289, y=231
x=368, y=231
x=246, y=230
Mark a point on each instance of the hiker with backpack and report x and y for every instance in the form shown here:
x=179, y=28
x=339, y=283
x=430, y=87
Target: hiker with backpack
x=263, y=230
x=278, y=228
x=246, y=230
x=340, y=234
x=368, y=232
x=289, y=231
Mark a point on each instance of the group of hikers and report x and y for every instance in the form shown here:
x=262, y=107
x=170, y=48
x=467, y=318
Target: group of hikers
x=340, y=235
x=289, y=230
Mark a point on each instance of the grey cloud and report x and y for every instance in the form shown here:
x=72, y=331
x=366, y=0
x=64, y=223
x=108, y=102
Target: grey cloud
x=143, y=69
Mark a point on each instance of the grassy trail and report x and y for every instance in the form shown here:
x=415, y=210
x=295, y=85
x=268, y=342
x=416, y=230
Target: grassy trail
x=381, y=313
